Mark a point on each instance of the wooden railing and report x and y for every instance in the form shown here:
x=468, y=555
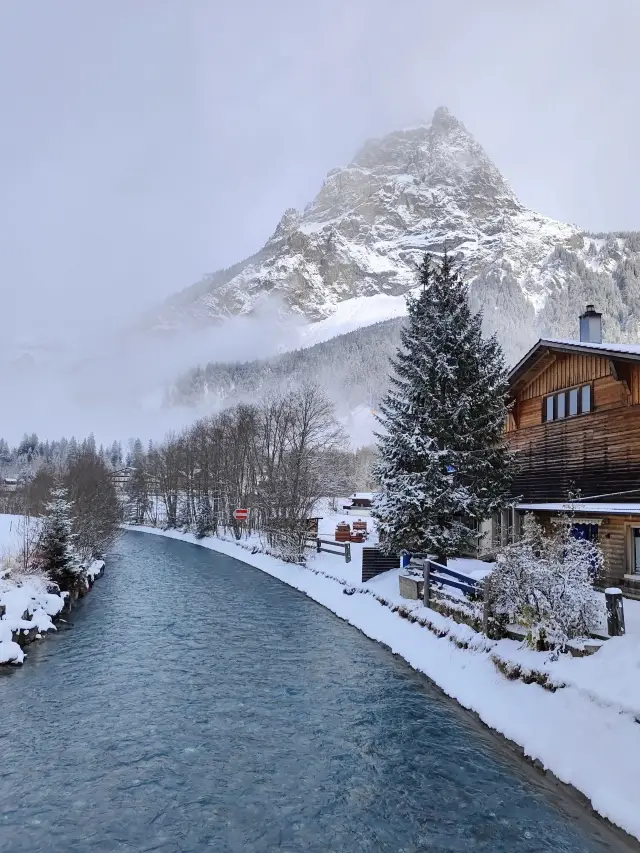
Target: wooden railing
x=436, y=573
x=344, y=546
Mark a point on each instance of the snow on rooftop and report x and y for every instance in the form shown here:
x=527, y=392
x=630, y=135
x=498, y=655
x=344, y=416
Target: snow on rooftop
x=632, y=349
x=588, y=508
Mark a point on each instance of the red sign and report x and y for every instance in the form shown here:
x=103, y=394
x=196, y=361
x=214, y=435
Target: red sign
x=241, y=514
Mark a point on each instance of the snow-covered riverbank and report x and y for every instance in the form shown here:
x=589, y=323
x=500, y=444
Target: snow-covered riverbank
x=28, y=603
x=585, y=733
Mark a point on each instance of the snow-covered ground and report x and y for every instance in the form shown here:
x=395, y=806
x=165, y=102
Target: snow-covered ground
x=9, y=533
x=585, y=732
x=20, y=595
x=25, y=594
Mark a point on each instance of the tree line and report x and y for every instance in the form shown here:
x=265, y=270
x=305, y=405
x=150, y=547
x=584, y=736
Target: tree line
x=67, y=497
x=276, y=458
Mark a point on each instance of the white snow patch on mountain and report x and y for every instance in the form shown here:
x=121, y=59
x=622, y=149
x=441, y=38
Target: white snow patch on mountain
x=353, y=314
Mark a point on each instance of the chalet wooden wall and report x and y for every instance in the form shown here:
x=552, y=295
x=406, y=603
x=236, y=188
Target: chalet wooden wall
x=596, y=453
x=614, y=538
x=634, y=384
x=608, y=393
x=566, y=371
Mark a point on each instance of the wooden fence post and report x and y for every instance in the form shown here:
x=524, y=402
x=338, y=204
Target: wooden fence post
x=318, y=545
x=426, y=592
x=486, y=612
x=615, y=612
x=347, y=552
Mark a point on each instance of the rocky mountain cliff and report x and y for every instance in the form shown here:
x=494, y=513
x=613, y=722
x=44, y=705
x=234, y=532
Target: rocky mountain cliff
x=418, y=190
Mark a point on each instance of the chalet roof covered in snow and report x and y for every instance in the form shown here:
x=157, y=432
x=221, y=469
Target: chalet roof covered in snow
x=624, y=349
x=591, y=508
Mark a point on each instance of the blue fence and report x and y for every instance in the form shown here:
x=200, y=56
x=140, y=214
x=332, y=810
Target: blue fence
x=436, y=573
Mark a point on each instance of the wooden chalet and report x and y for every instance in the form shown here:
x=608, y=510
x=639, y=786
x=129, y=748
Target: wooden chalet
x=575, y=427
x=360, y=502
x=8, y=484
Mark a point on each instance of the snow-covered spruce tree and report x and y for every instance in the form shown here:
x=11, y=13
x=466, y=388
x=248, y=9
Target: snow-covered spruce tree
x=443, y=465
x=545, y=583
x=137, y=492
x=56, y=554
x=204, y=521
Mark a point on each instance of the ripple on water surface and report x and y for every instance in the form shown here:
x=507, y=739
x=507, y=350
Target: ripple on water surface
x=198, y=704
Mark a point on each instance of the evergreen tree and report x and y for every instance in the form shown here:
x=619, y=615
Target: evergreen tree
x=137, y=492
x=115, y=455
x=5, y=453
x=184, y=513
x=444, y=466
x=204, y=519
x=72, y=448
x=56, y=551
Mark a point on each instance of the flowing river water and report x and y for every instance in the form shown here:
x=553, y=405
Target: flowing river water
x=199, y=704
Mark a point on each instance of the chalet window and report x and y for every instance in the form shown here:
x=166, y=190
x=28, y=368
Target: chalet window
x=561, y=405
x=567, y=404
x=573, y=401
x=549, y=409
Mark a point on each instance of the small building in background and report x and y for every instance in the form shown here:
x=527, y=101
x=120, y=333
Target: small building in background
x=360, y=503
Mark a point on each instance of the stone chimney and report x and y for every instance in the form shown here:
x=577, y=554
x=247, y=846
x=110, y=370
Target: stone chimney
x=591, y=326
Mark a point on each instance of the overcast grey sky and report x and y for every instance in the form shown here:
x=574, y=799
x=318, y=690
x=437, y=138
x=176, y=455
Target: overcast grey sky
x=146, y=142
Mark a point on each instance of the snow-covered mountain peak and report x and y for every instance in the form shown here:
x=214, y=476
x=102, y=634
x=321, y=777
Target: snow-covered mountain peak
x=441, y=151
x=290, y=221
x=442, y=117
x=416, y=190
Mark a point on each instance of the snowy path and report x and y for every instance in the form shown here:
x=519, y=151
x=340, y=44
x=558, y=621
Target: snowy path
x=569, y=734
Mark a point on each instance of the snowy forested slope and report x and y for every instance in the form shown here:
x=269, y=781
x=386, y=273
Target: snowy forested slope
x=352, y=368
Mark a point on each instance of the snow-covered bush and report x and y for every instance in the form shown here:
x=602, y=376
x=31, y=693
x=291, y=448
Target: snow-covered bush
x=544, y=582
x=9, y=562
x=18, y=556
x=288, y=540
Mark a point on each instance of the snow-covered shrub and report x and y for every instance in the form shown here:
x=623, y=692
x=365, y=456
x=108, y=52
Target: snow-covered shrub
x=544, y=582
x=287, y=540
x=9, y=562
x=18, y=556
